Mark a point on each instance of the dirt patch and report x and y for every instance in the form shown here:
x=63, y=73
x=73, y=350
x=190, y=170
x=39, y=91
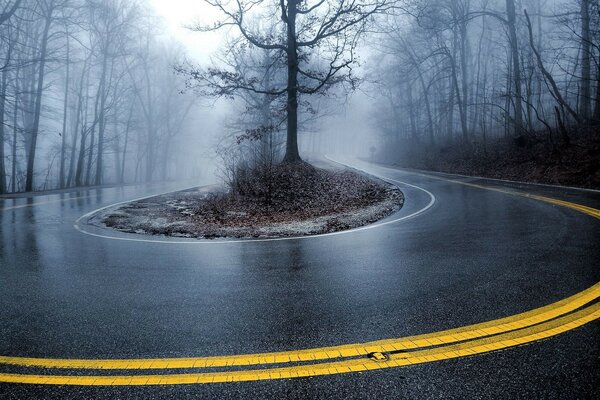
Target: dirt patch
x=304, y=201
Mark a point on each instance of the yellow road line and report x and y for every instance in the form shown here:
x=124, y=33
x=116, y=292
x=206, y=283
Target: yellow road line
x=488, y=336
x=494, y=343
x=574, y=206
x=469, y=332
x=578, y=207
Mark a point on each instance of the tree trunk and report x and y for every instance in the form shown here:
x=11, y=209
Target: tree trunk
x=555, y=90
x=38, y=104
x=102, y=119
x=461, y=105
x=425, y=89
x=464, y=48
x=597, y=106
x=88, y=169
x=63, y=144
x=291, y=148
x=13, y=175
x=561, y=126
x=80, y=158
x=78, y=117
x=122, y=176
x=151, y=131
x=476, y=94
x=516, y=65
x=585, y=93
x=84, y=132
x=450, y=112
x=3, y=85
x=74, y=144
x=411, y=113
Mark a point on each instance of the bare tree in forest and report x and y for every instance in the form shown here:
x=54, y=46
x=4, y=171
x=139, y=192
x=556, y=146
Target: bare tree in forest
x=63, y=82
x=550, y=81
x=516, y=64
x=110, y=21
x=48, y=9
x=585, y=94
x=316, y=39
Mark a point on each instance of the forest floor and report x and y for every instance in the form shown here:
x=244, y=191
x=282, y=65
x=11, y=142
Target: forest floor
x=534, y=158
x=304, y=201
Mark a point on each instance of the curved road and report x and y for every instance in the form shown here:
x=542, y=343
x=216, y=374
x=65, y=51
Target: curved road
x=458, y=254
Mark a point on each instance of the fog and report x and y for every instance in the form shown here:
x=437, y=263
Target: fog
x=96, y=92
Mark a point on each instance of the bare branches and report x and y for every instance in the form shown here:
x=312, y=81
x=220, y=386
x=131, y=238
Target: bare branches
x=347, y=15
x=314, y=40
x=323, y=21
x=235, y=17
x=218, y=82
x=548, y=77
x=8, y=12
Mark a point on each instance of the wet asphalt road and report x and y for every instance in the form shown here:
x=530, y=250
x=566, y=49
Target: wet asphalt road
x=475, y=255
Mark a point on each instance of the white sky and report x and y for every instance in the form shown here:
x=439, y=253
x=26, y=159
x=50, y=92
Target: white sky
x=179, y=13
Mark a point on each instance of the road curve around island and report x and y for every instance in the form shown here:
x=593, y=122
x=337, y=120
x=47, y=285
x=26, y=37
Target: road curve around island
x=486, y=266
x=82, y=225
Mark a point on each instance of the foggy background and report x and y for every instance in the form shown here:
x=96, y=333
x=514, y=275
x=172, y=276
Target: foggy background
x=89, y=92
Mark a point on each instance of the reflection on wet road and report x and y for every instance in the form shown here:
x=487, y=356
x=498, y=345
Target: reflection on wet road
x=474, y=256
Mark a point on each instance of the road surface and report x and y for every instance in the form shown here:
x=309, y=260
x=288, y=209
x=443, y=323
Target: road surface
x=461, y=251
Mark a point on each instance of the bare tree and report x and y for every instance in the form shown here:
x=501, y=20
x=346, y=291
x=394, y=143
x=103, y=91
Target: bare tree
x=63, y=82
x=316, y=39
x=48, y=9
x=526, y=77
x=555, y=91
x=585, y=94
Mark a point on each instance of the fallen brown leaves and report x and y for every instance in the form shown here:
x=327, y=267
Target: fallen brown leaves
x=301, y=200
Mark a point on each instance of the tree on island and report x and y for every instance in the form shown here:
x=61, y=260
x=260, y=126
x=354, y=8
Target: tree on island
x=314, y=40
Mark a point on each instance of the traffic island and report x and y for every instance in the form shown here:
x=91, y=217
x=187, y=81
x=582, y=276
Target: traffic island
x=292, y=200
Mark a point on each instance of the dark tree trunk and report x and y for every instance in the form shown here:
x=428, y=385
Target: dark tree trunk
x=460, y=101
x=102, y=120
x=88, y=168
x=562, y=128
x=586, y=93
x=291, y=148
x=450, y=112
x=80, y=158
x=412, y=115
x=2, y=117
x=516, y=64
x=597, y=106
x=425, y=89
x=13, y=175
x=464, y=46
x=38, y=105
x=63, y=144
x=122, y=176
x=79, y=117
x=74, y=144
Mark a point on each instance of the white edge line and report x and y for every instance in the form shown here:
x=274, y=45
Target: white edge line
x=216, y=241
x=43, y=202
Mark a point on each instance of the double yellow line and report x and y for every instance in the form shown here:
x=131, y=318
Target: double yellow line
x=480, y=338
x=498, y=334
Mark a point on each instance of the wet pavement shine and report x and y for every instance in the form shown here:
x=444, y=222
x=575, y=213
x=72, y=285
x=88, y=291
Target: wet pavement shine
x=469, y=256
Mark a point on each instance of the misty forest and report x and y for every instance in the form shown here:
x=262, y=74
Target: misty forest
x=96, y=92
x=299, y=199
